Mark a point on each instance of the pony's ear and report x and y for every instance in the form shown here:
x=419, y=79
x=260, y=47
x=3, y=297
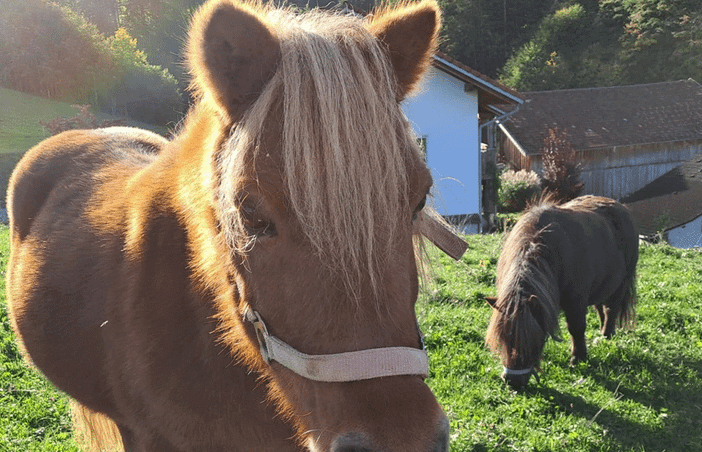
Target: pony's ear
x=491, y=301
x=232, y=54
x=410, y=33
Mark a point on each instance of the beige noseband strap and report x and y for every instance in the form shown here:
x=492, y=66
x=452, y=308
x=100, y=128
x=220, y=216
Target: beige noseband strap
x=340, y=367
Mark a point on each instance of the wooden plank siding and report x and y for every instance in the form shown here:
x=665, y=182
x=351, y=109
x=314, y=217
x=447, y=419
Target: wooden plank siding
x=624, y=136
x=618, y=171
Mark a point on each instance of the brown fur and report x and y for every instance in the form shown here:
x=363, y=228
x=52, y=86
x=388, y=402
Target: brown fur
x=562, y=258
x=290, y=190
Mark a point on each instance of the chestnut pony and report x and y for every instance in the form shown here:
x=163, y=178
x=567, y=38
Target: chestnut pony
x=250, y=284
x=564, y=258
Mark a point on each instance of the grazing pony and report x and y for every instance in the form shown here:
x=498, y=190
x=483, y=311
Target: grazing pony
x=250, y=284
x=565, y=258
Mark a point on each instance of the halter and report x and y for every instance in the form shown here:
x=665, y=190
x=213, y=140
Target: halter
x=362, y=364
x=340, y=367
x=529, y=370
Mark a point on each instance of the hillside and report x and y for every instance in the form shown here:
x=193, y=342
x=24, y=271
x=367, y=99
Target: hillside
x=20, y=128
x=19, y=119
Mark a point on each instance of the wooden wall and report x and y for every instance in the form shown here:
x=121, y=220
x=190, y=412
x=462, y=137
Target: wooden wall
x=618, y=171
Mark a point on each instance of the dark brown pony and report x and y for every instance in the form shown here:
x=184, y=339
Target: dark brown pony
x=565, y=258
x=161, y=284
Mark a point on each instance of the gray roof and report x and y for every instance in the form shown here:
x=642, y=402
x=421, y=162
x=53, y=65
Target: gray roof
x=672, y=200
x=612, y=116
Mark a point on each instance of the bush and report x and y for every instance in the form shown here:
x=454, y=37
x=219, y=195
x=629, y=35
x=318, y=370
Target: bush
x=141, y=90
x=517, y=190
x=83, y=120
x=53, y=52
x=48, y=51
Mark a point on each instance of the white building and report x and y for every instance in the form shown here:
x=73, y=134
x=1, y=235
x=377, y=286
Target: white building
x=454, y=113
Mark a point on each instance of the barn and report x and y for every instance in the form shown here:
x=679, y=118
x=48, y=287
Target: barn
x=454, y=108
x=624, y=136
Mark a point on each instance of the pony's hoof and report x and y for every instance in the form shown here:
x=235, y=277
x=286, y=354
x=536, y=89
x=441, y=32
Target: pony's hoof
x=574, y=360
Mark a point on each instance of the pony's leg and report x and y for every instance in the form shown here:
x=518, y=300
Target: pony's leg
x=611, y=313
x=613, y=309
x=575, y=319
x=603, y=317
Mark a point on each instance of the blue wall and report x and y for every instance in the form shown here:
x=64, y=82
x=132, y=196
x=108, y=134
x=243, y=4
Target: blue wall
x=448, y=118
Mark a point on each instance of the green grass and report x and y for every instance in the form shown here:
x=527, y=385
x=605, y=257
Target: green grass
x=641, y=391
x=33, y=415
x=20, y=115
x=20, y=128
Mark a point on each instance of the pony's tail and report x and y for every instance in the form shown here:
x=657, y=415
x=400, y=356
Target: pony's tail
x=94, y=432
x=627, y=315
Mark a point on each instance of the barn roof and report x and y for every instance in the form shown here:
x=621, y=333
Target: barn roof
x=672, y=200
x=611, y=116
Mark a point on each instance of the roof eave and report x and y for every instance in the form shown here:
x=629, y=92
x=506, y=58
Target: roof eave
x=442, y=62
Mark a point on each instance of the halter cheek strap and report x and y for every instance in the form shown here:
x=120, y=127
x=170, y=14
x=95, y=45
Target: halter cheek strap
x=339, y=367
x=442, y=236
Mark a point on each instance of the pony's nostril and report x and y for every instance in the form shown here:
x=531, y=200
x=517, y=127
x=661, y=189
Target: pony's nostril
x=351, y=442
x=350, y=448
x=441, y=441
x=356, y=442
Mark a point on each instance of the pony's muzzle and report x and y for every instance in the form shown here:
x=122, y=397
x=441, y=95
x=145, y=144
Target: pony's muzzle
x=518, y=379
x=357, y=442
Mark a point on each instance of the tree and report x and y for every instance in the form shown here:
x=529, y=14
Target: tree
x=552, y=59
x=482, y=33
x=560, y=178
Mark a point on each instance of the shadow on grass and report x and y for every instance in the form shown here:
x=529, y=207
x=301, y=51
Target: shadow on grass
x=672, y=394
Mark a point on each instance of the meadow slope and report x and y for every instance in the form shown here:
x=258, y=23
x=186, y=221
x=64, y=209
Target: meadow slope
x=638, y=392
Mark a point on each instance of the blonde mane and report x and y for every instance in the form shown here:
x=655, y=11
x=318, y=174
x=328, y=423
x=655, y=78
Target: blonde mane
x=346, y=145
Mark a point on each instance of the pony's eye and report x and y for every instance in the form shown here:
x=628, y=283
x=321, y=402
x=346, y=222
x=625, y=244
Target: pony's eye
x=421, y=204
x=256, y=224
x=419, y=207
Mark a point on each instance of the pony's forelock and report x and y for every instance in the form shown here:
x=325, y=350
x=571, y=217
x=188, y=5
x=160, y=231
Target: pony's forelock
x=513, y=328
x=345, y=146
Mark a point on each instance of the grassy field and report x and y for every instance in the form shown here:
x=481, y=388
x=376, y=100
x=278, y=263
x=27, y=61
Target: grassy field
x=641, y=391
x=20, y=128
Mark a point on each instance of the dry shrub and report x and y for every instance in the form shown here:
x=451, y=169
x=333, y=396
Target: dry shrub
x=83, y=120
x=561, y=171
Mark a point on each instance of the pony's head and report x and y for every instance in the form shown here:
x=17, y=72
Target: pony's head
x=525, y=311
x=320, y=186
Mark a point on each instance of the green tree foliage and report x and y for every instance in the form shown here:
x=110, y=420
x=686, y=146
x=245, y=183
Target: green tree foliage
x=551, y=59
x=141, y=90
x=660, y=40
x=52, y=51
x=610, y=42
x=482, y=33
x=159, y=26
x=49, y=51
